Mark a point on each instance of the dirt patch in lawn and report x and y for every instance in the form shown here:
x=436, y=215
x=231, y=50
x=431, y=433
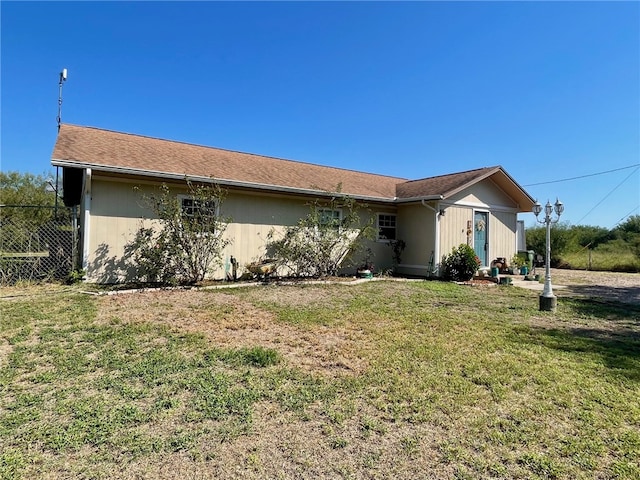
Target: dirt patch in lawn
x=283, y=446
x=299, y=295
x=228, y=321
x=5, y=351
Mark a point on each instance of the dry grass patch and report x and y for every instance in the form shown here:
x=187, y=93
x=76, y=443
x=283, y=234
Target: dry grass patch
x=445, y=381
x=229, y=321
x=283, y=445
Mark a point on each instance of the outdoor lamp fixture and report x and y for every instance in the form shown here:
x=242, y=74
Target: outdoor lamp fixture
x=548, y=301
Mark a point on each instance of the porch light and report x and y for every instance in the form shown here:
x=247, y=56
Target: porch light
x=548, y=301
x=537, y=208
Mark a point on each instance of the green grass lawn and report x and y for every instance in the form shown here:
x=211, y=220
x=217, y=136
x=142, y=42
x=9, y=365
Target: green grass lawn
x=379, y=380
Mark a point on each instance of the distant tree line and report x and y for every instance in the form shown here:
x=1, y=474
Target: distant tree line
x=33, y=194
x=568, y=239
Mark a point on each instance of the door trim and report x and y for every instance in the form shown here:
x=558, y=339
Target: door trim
x=487, y=213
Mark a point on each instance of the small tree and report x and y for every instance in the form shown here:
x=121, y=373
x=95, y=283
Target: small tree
x=537, y=241
x=319, y=243
x=629, y=231
x=26, y=189
x=461, y=264
x=154, y=258
x=190, y=239
x=583, y=236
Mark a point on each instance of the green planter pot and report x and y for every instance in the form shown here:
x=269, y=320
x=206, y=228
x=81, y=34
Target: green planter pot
x=365, y=274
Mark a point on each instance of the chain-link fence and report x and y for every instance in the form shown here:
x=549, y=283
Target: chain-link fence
x=36, y=243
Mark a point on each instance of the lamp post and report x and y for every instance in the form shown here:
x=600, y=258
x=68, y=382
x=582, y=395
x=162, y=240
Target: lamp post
x=548, y=301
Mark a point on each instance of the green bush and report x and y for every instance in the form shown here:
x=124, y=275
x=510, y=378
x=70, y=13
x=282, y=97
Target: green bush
x=537, y=241
x=75, y=276
x=187, y=243
x=329, y=237
x=461, y=264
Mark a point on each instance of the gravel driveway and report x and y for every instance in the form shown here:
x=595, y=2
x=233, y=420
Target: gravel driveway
x=621, y=287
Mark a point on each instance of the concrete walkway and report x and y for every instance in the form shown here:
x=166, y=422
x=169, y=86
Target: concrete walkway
x=519, y=281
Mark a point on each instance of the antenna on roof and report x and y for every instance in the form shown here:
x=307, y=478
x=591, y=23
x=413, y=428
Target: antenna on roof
x=63, y=78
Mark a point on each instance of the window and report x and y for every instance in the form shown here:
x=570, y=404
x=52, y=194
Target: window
x=199, y=216
x=386, y=227
x=198, y=208
x=330, y=217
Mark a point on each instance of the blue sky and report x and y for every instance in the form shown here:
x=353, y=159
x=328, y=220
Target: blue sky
x=548, y=90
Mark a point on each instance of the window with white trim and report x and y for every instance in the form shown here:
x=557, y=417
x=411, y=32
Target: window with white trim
x=330, y=217
x=386, y=227
x=198, y=215
x=197, y=208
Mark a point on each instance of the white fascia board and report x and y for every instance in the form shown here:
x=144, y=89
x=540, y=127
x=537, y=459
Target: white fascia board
x=483, y=206
x=220, y=181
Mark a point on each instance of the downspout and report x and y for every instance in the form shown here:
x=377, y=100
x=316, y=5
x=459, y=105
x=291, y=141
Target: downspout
x=436, y=225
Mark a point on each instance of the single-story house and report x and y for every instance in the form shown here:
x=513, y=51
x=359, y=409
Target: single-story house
x=100, y=169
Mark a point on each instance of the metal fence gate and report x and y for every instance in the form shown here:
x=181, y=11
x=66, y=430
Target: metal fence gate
x=37, y=243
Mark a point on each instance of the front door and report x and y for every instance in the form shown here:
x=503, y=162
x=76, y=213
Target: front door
x=480, y=238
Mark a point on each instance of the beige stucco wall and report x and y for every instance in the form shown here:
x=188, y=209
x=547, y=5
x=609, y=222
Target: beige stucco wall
x=485, y=193
x=501, y=229
x=256, y=215
x=485, y=196
x=382, y=257
x=502, y=235
x=117, y=212
x=416, y=226
x=453, y=228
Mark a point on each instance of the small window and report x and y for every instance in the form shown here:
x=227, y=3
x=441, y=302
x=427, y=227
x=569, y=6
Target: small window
x=386, y=227
x=197, y=208
x=330, y=217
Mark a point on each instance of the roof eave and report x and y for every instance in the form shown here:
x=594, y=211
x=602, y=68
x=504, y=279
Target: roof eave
x=426, y=198
x=524, y=192
x=222, y=181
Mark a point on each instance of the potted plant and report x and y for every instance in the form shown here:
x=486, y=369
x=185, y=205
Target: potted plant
x=516, y=263
x=365, y=270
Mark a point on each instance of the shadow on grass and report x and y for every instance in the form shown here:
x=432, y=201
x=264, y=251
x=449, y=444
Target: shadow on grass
x=611, y=331
x=619, y=351
x=626, y=295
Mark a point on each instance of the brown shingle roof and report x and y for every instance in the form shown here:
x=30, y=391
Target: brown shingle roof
x=445, y=185
x=88, y=146
x=126, y=153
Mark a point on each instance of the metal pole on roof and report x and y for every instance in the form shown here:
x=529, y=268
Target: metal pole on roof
x=63, y=78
